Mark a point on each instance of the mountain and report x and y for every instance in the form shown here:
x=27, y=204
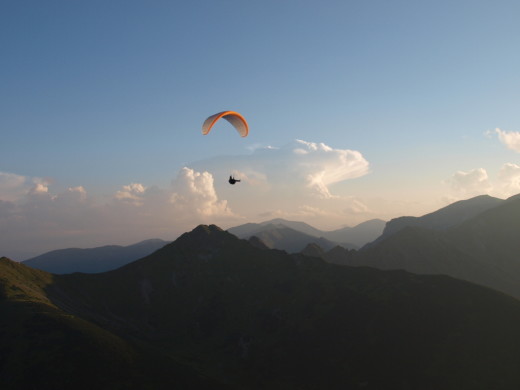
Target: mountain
x=359, y=235
x=444, y=218
x=212, y=308
x=290, y=240
x=92, y=260
x=482, y=249
x=348, y=237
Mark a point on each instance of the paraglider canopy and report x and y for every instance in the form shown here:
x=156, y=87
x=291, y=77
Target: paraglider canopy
x=237, y=120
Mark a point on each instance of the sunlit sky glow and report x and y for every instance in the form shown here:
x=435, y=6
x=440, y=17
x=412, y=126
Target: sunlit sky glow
x=357, y=110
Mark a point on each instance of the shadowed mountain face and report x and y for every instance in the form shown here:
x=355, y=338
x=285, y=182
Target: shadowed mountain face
x=254, y=318
x=483, y=249
x=92, y=260
x=445, y=218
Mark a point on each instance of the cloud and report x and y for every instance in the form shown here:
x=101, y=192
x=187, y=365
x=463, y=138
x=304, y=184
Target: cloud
x=12, y=186
x=322, y=165
x=194, y=192
x=509, y=179
x=35, y=219
x=296, y=178
x=477, y=182
x=300, y=169
x=474, y=182
x=132, y=193
x=511, y=139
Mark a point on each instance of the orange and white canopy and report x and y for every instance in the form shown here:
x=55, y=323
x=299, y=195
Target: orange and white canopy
x=237, y=120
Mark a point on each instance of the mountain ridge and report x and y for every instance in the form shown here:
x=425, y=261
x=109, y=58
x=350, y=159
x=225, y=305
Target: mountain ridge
x=482, y=249
x=93, y=260
x=349, y=237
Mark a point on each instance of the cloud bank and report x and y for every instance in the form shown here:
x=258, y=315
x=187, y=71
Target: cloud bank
x=296, y=178
x=477, y=182
x=305, y=168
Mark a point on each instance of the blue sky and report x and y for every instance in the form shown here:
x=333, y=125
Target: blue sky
x=102, y=104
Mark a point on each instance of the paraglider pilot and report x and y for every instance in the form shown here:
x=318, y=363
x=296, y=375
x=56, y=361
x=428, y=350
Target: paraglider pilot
x=232, y=180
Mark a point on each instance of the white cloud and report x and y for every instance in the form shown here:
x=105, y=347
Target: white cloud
x=477, y=182
x=474, y=182
x=299, y=169
x=511, y=139
x=12, y=186
x=322, y=165
x=509, y=179
x=132, y=193
x=194, y=193
x=356, y=206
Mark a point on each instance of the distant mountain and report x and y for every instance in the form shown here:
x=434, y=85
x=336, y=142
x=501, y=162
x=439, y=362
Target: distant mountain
x=290, y=240
x=92, y=260
x=348, y=237
x=252, y=229
x=483, y=249
x=444, y=218
x=233, y=313
x=359, y=235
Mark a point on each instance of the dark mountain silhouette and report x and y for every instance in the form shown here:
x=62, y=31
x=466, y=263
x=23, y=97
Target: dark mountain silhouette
x=348, y=237
x=45, y=347
x=212, y=309
x=92, y=260
x=444, y=218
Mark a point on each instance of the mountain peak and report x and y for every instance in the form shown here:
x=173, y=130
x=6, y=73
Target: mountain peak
x=205, y=235
x=206, y=229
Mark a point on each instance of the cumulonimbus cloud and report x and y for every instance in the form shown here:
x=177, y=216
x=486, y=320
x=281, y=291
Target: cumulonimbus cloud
x=301, y=167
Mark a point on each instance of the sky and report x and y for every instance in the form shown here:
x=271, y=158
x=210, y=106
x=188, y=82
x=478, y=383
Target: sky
x=357, y=110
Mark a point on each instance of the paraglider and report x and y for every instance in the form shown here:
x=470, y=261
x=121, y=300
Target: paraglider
x=232, y=180
x=237, y=120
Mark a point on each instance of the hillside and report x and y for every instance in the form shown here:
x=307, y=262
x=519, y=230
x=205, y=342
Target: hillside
x=92, y=260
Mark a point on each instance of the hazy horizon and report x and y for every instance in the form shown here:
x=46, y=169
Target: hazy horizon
x=357, y=110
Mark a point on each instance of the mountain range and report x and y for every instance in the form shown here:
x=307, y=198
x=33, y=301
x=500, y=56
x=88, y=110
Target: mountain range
x=293, y=236
x=213, y=311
